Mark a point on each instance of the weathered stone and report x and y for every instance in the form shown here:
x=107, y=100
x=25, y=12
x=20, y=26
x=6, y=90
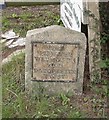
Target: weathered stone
x=55, y=58
x=55, y=62
x=94, y=41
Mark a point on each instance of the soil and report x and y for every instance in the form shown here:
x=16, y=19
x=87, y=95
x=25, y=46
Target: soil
x=9, y=51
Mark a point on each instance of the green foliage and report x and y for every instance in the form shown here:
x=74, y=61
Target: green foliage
x=75, y=114
x=6, y=24
x=104, y=63
x=104, y=7
x=26, y=20
x=104, y=38
x=64, y=99
x=17, y=104
x=14, y=15
x=13, y=85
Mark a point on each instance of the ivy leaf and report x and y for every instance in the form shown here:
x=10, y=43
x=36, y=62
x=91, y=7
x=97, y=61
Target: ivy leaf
x=104, y=63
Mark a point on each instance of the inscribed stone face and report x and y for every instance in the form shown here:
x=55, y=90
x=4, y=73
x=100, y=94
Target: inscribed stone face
x=55, y=62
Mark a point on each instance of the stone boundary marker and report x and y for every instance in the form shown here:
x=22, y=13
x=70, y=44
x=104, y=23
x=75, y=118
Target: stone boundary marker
x=54, y=61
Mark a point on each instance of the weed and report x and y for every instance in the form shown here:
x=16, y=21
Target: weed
x=5, y=24
x=64, y=99
x=25, y=16
x=14, y=15
x=104, y=63
x=75, y=114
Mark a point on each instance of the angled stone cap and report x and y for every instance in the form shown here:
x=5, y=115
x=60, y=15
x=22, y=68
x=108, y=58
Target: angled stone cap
x=56, y=33
x=55, y=37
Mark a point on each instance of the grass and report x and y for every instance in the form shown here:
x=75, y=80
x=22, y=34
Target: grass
x=27, y=24
x=16, y=103
x=25, y=21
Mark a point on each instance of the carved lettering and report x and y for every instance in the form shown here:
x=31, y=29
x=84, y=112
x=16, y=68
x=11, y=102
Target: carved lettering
x=55, y=61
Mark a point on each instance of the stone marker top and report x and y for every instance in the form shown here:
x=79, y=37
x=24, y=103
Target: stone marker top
x=55, y=58
x=55, y=34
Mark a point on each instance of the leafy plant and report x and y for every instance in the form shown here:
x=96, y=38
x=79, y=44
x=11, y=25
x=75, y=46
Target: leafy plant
x=104, y=63
x=104, y=38
x=64, y=99
x=75, y=114
x=14, y=15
